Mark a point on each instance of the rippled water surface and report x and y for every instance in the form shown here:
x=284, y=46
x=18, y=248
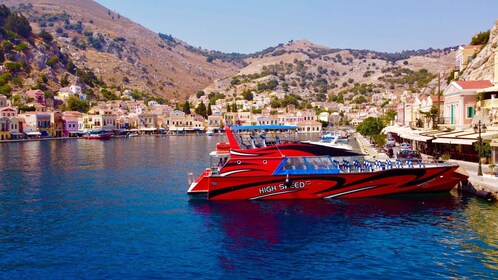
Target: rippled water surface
x=119, y=209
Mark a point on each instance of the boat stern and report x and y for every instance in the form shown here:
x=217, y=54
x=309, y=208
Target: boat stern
x=199, y=185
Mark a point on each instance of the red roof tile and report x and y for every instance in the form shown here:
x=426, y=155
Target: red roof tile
x=472, y=47
x=435, y=98
x=480, y=84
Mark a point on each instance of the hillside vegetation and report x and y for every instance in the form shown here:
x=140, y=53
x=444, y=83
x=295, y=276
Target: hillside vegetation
x=108, y=53
x=320, y=74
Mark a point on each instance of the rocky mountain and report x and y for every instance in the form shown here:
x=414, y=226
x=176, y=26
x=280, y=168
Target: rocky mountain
x=483, y=65
x=124, y=54
x=318, y=73
x=103, y=49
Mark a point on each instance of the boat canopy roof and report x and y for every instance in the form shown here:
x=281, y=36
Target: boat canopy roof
x=263, y=127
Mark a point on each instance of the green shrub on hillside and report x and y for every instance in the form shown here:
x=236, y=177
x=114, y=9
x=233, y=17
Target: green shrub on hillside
x=481, y=38
x=52, y=61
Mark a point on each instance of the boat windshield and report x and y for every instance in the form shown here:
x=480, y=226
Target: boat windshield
x=257, y=136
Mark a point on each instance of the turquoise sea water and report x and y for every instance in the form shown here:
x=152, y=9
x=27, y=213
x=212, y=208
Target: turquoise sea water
x=119, y=209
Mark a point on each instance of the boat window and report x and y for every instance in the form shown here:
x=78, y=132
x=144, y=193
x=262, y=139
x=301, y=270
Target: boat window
x=320, y=163
x=295, y=163
x=308, y=165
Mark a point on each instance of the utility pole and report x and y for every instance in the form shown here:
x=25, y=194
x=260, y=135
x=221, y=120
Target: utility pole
x=438, y=96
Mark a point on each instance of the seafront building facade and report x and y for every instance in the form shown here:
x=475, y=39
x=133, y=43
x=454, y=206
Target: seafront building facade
x=463, y=104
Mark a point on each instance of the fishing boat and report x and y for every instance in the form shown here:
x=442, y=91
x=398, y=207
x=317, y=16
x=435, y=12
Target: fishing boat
x=295, y=170
x=97, y=135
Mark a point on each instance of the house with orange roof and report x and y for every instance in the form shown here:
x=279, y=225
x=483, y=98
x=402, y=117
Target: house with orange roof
x=460, y=102
x=37, y=95
x=465, y=55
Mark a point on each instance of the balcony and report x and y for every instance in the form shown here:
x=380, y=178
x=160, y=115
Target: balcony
x=489, y=103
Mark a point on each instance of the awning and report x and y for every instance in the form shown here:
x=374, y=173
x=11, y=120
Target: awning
x=454, y=141
x=485, y=136
x=148, y=129
x=16, y=133
x=489, y=89
x=416, y=137
x=397, y=129
x=33, y=133
x=424, y=138
x=409, y=136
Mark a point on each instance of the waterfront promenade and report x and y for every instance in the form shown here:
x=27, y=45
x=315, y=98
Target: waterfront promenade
x=479, y=185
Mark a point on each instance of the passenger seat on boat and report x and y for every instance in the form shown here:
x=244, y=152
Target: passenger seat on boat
x=242, y=142
x=357, y=165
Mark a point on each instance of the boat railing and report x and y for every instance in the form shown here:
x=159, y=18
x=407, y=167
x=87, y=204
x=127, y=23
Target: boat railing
x=358, y=166
x=318, y=165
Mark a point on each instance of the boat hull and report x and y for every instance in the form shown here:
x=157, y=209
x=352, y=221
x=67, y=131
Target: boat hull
x=316, y=186
x=98, y=137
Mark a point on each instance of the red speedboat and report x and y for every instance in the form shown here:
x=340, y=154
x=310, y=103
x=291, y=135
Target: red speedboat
x=257, y=168
x=97, y=135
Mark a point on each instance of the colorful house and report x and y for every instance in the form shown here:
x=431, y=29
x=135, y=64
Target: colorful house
x=37, y=95
x=465, y=55
x=4, y=128
x=16, y=128
x=57, y=124
x=460, y=102
x=70, y=120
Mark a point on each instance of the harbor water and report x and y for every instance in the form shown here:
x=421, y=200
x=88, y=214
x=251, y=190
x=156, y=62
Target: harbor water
x=91, y=209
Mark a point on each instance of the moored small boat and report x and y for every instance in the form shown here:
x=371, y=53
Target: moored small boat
x=97, y=135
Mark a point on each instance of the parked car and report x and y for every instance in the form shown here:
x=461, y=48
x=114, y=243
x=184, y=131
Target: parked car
x=409, y=154
x=390, y=142
x=405, y=146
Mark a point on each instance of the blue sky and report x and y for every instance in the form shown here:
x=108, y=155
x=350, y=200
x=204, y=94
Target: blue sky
x=250, y=26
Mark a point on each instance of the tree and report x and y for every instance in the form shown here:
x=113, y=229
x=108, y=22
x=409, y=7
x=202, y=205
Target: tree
x=201, y=110
x=209, y=112
x=18, y=24
x=360, y=99
x=370, y=126
x=248, y=95
x=432, y=115
x=389, y=117
x=485, y=149
x=64, y=82
x=45, y=36
x=481, y=38
x=186, y=108
x=75, y=104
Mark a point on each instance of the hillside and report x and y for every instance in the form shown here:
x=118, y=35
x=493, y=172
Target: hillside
x=103, y=49
x=318, y=73
x=483, y=66
x=121, y=52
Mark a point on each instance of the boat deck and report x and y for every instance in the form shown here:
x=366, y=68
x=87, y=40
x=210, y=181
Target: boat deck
x=310, y=166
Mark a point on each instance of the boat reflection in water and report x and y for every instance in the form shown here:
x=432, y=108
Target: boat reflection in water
x=267, y=220
x=332, y=231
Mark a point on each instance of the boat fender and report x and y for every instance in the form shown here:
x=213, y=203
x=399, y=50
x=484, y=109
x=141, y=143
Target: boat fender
x=485, y=195
x=288, y=182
